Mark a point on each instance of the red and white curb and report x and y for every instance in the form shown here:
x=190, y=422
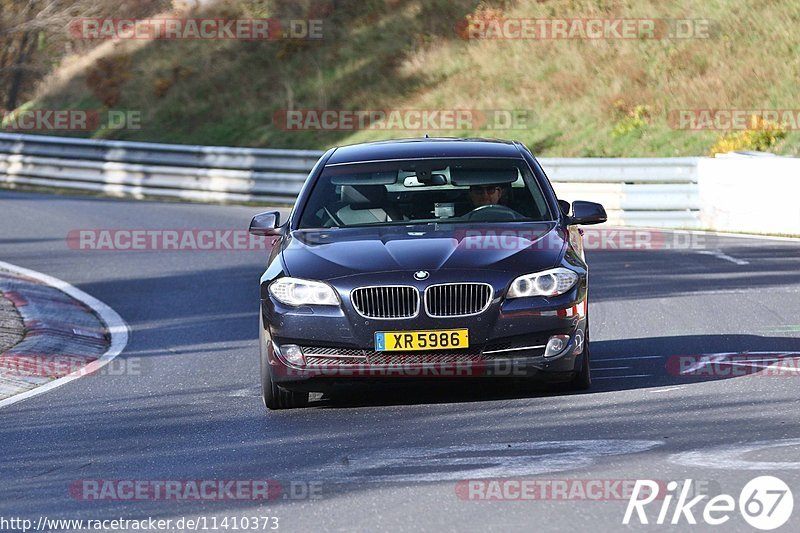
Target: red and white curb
x=117, y=330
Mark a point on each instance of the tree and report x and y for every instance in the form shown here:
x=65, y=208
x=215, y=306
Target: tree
x=34, y=37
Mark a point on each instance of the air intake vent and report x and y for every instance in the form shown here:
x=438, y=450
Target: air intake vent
x=386, y=302
x=457, y=299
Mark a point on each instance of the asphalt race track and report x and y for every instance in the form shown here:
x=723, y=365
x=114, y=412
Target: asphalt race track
x=394, y=458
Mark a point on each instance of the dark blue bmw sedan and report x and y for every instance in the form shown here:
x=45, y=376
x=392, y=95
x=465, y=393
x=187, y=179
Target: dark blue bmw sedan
x=424, y=258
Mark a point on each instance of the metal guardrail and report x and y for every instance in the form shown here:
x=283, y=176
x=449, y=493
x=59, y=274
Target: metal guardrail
x=638, y=191
x=201, y=173
x=635, y=191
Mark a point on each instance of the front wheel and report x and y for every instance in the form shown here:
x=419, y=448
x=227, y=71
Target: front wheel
x=273, y=395
x=583, y=379
x=276, y=397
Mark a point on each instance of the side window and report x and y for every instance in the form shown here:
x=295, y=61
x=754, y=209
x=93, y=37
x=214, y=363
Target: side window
x=541, y=205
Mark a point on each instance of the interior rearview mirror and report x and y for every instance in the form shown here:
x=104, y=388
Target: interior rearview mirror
x=432, y=180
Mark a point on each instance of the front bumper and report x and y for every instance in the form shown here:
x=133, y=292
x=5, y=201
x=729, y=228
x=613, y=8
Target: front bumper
x=509, y=345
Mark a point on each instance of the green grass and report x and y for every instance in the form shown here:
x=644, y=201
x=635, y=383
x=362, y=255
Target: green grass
x=394, y=54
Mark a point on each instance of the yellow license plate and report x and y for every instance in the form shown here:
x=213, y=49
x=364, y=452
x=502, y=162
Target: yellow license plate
x=435, y=339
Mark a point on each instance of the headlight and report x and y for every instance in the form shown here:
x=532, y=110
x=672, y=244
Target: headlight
x=548, y=283
x=294, y=292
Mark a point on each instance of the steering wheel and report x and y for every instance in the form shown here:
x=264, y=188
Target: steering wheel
x=493, y=212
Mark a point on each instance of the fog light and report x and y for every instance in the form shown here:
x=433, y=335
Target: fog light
x=556, y=345
x=293, y=354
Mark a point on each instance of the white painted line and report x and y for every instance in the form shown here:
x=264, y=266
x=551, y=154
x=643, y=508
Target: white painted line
x=738, y=457
x=723, y=359
x=667, y=389
x=745, y=236
x=621, y=377
x=629, y=358
x=715, y=233
x=725, y=257
x=117, y=328
x=712, y=359
x=763, y=353
x=776, y=365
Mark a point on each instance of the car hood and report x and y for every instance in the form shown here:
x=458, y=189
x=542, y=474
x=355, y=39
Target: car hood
x=339, y=252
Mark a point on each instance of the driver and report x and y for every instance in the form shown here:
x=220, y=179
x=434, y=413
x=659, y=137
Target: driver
x=493, y=194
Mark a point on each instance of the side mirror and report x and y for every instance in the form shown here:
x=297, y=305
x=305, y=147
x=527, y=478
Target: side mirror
x=565, y=207
x=266, y=224
x=587, y=213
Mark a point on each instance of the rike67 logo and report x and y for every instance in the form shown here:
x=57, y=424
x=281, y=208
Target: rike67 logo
x=765, y=503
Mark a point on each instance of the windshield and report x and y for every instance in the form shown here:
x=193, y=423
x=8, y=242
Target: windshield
x=424, y=191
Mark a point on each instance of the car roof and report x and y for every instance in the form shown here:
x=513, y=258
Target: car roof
x=424, y=148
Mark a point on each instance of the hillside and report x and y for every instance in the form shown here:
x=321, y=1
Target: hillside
x=577, y=97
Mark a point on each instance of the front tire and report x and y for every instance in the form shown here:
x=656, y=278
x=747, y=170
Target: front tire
x=583, y=379
x=276, y=397
x=273, y=395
